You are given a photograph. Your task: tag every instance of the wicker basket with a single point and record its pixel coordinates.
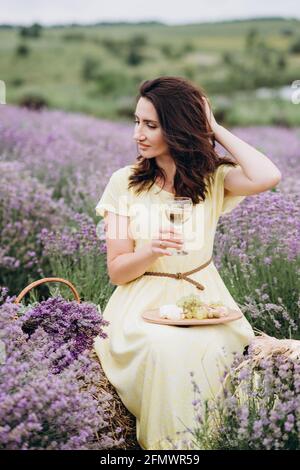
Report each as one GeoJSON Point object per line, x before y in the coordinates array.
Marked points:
{"type": "Point", "coordinates": [44, 280]}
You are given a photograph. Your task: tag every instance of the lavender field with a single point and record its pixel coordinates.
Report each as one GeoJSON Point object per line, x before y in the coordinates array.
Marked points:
{"type": "Point", "coordinates": [54, 167]}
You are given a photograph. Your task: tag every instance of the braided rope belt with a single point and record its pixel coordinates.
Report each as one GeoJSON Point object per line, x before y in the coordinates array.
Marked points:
{"type": "Point", "coordinates": [182, 275]}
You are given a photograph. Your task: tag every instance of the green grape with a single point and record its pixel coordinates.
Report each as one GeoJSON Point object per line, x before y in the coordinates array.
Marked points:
{"type": "Point", "coordinates": [201, 313]}
{"type": "Point", "coordinates": [191, 305]}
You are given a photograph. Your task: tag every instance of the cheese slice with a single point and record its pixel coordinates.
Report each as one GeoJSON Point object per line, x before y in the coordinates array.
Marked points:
{"type": "Point", "coordinates": [171, 311]}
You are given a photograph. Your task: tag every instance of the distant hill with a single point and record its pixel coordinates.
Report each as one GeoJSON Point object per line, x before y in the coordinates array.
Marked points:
{"type": "Point", "coordinates": [97, 68]}
{"type": "Point", "coordinates": [160, 23]}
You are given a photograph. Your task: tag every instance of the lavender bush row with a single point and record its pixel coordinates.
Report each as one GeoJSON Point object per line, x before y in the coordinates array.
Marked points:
{"type": "Point", "coordinates": [258, 255]}
{"type": "Point", "coordinates": [26, 207]}
{"type": "Point", "coordinates": [75, 158]}
{"type": "Point", "coordinates": [78, 253]}
{"type": "Point", "coordinates": [258, 407]}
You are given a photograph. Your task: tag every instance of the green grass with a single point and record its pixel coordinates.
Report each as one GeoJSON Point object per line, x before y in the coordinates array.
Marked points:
{"type": "Point", "coordinates": [53, 67]}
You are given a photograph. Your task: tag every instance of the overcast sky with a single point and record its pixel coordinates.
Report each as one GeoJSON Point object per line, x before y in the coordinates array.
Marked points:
{"type": "Point", "coordinates": [168, 11]}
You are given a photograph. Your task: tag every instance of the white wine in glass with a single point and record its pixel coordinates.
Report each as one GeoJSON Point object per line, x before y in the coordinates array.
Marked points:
{"type": "Point", "coordinates": [178, 211]}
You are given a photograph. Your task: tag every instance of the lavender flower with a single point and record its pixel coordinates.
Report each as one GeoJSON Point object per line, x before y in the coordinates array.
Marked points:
{"type": "Point", "coordinates": [67, 323]}
{"type": "Point", "coordinates": [42, 410]}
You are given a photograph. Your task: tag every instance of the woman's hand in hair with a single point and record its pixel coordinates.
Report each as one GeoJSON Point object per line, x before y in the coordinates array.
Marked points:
{"type": "Point", "coordinates": [209, 114]}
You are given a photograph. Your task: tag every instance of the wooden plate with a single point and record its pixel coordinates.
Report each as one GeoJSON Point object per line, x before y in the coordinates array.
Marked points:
{"type": "Point", "coordinates": [152, 316]}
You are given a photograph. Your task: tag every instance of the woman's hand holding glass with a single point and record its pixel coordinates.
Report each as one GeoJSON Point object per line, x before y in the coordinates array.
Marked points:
{"type": "Point", "coordinates": [178, 211]}
{"type": "Point", "coordinates": [167, 238]}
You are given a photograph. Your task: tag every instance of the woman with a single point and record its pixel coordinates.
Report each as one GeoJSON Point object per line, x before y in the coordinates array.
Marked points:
{"type": "Point", "coordinates": [150, 364]}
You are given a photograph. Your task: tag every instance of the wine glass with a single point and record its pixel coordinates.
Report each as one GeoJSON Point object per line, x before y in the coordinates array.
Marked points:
{"type": "Point", "coordinates": [178, 210]}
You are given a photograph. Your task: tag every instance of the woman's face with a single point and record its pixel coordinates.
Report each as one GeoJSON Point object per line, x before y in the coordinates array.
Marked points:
{"type": "Point", "coordinates": [148, 131]}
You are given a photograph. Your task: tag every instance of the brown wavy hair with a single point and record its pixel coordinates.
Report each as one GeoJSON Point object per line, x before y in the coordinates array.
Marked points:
{"type": "Point", "coordinates": [188, 134]}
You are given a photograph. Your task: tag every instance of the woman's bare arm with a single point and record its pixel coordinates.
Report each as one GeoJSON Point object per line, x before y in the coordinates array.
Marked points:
{"type": "Point", "coordinates": [123, 263]}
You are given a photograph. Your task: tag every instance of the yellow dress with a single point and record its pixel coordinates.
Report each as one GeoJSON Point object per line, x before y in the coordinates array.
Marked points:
{"type": "Point", "coordinates": [149, 364]}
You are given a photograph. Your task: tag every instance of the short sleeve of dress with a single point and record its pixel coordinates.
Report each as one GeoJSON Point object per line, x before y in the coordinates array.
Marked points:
{"type": "Point", "coordinates": [224, 204]}
{"type": "Point", "coordinates": [115, 197]}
